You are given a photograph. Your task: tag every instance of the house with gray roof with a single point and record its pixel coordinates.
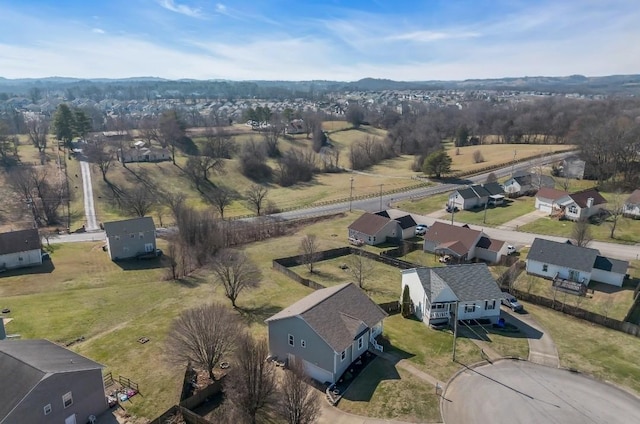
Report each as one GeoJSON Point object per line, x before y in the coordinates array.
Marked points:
{"type": "Point", "coordinates": [328, 330]}
{"type": "Point", "coordinates": [375, 229]}
{"type": "Point", "coordinates": [46, 383]}
{"type": "Point", "coordinates": [19, 249]}
{"type": "Point", "coordinates": [565, 263]}
{"type": "Point", "coordinates": [462, 243]}
{"type": "Point", "coordinates": [436, 293]}
{"type": "Point", "coordinates": [631, 208]}
{"type": "Point", "coordinates": [130, 238]}
{"type": "Point", "coordinates": [527, 184]}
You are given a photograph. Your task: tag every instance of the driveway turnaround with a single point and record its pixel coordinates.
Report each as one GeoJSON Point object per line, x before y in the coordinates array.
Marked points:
{"type": "Point", "coordinates": [542, 349]}
{"type": "Point", "coordinates": [513, 392]}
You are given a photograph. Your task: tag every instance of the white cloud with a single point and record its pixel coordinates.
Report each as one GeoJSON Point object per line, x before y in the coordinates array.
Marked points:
{"type": "Point", "coordinates": [221, 8]}
{"type": "Point", "coordinates": [98, 31]}
{"type": "Point", "coordinates": [181, 8]}
{"type": "Point", "coordinates": [430, 36]}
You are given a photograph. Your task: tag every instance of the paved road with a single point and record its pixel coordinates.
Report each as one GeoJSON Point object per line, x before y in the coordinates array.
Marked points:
{"type": "Point", "coordinates": [521, 392]}
{"type": "Point", "coordinates": [542, 349]}
{"type": "Point", "coordinates": [87, 189]}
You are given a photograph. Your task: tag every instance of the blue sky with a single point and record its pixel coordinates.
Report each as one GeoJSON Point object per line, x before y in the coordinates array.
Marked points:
{"type": "Point", "coordinates": [303, 40]}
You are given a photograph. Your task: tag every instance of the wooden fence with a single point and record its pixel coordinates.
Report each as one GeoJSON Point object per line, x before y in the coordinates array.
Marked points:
{"type": "Point", "coordinates": [199, 398]}
{"type": "Point", "coordinates": [189, 417]}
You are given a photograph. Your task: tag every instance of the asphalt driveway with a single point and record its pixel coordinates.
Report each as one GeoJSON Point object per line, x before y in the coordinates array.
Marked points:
{"type": "Point", "coordinates": [522, 392]}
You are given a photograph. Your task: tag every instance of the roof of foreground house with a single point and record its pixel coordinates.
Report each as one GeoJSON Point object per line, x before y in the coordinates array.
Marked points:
{"type": "Point", "coordinates": [581, 197]}
{"type": "Point", "coordinates": [25, 363]}
{"type": "Point", "coordinates": [550, 193]}
{"type": "Point", "coordinates": [132, 225]}
{"type": "Point", "coordinates": [563, 254]}
{"type": "Point", "coordinates": [469, 282]}
{"type": "Point", "coordinates": [337, 314]}
{"type": "Point", "coordinates": [19, 241]}
{"type": "Point", "coordinates": [448, 235]}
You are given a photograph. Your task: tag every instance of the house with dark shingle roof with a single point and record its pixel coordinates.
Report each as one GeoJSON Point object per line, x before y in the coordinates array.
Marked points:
{"type": "Point", "coordinates": [583, 204]}
{"type": "Point", "coordinates": [565, 261]}
{"type": "Point", "coordinates": [328, 330]}
{"type": "Point", "coordinates": [527, 184]}
{"type": "Point", "coordinates": [130, 238]}
{"type": "Point", "coordinates": [631, 208]}
{"type": "Point", "coordinates": [46, 383]}
{"type": "Point", "coordinates": [374, 229]}
{"type": "Point", "coordinates": [19, 249]}
{"type": "Point", "coordinates": [435, 293]}
{"type": "Point", "coordinates": [468, 198]}
{"type": "Point", "coordinates": [547, 199]}
{"type": "Point", "coordinates": [462, 243]}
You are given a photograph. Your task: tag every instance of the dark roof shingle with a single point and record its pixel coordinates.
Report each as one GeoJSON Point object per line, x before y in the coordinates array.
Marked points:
{"type": "Point", "coordinates": [469, 282]}
{"type": "Point", "coordinates": [19, 241]}
{"type": "Point", "coordinates": [563, 254]}
{"type": "Point", "coordinates": [581, 197]}
{"type": "Point", "coordinates": [369, 223]}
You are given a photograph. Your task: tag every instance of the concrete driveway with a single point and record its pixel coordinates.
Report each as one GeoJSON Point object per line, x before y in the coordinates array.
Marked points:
{"type": "Point", "coordinates": [522, 392]}
{"type": "Point", "coordinates": [542, 349]}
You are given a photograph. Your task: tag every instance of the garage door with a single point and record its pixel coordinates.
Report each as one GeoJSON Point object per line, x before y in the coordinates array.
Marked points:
{"type": "Point", "coordinates": [544, 207]}
{"type": "Point", "coordinates": [317, 373]}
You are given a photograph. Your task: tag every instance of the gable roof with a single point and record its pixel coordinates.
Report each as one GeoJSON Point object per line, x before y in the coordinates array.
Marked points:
{"type": "Point", "coordinates": [612, 265]}
{"type": "Point", "coordinates": [441, 233]}
{"type": "Point", "coordinates": [563, 254]}
{"type": "Point", "coordinates": [634, 198]}
{"type": "Point", "coordinates": [581, 197]}
{"type": "Point", "coordinates": [19, 241]}
{"type": "Point", "coordinates": [490, 244]}
{"type": "Point", "coordinates": [383, 214]}
{"type": "Point", "coordinates": [523, 179]}
{"type": "Point", "coordinates": [144, 223]}
{"type": "Point", "coordinates": [406, 221]}
{"type": "Point", "coordinates": [337, 314]}
{"type": "Point", "coordinates": [480, 190]}
{"type": "Point", "coordinates": [550, 193]}
{"type": "Point", "coordinates": [467, 193]}
{"type": "Point", "coordinates": [27, 362]}
{"type": "Point", "coordinates": [369, 223]}
{"type": "Point", "coordinates": [469, 282]}
{"type": "Point", "coordinates": [493, 188]}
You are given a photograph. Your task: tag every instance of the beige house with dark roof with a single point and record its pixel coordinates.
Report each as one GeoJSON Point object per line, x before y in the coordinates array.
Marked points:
{"type": "Point", "coordinates": [19, 249]}
{"type": "Point", "coordinates": [328, 330]}
{"type": "Point", "coordinates": [631, 207]}
{"type": "Point", "coordinates": [374, 229]}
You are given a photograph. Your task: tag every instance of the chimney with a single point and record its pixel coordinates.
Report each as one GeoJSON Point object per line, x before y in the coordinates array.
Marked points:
{"type": "Point", "coordinates": [3, 334]}
{"type": "Point", "coordinates": [590, 202]}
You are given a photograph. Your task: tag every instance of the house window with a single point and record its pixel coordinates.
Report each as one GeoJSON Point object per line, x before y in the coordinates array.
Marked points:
{"type": "Point", "coordinates": [573, 209]}
{"type": "Point", "coordinates": [437, 306]}
{"type": "Point", "coordinates": [545, 268]}
{"type": "Point", "coordinates": [303, 343]}
{"type": "Point", "coordinates": [360, 343]}
{"type": "Point", "coordinates": [117, 237]}
{"type": "Point", "coordinates": [132, 235]}
{"type": "Point", "coordinates": [343, 355]}
{"type": "Point", "coordinates": [141, 235]}
{"type": "Point", "coordinates": [470, 308]}
{"type": "Point", "coordinates": [47, 409]}
{"type": "Point", "coordinates": [291, 340]}
{"type": "Point", "coordinates": [489, 306]}
{"type": "Point", "coordinates": [67, 399]}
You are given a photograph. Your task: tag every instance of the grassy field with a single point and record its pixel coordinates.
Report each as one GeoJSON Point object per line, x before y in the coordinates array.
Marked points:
{"type": "Point", "coordinates": [498, 215]}
{"type": "Point", "coordinates": [388, 392]}
{"type": "Point", "coordinates": [627, 229]}
{"type": "Point", "coordinates": [608, 355]}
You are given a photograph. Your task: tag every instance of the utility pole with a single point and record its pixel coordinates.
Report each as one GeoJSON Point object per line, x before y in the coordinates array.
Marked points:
{"type": "Point", "coordinates": [484, 220]}
{"type": "Point", "coordinates": [514, 162]}
{"type": "Point", "coordinates": [455, 329]}
{"type": "Point", "coordinates": [381, 196]}
{"type": "Point", "coordinates": [351, 194]}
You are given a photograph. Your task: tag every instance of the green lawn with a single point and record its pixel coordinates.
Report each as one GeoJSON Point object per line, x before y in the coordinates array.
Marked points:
{"type": "Point", "coordinates": [627, 230]}
{"type": "Point", "coordinates": [498, 215]}
{"type": "Point", "coordinates": [385, 391]}
{"type": "Point", "coordinates": [425, 205]}
{"type": "Point", "coordinates": [607, 354]}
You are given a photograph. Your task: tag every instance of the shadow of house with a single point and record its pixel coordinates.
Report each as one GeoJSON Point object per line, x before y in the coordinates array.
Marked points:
{"type": "Point", "coordinates": [364, 386]}
{"type": "Point", "coordinates": [47, 267]}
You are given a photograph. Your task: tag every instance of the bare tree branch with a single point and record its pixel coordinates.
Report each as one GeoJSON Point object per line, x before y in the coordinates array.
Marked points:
{"type": "Point", "coordinates": [235, 272]}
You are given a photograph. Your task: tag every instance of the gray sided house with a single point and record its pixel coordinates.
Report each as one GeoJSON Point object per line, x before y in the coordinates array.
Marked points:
{"type": "Point", "coordinates": [328, 330]}
{"type": "Point", "coordinates": [527, 184]}
{"type": "Point", "coordinates": [564, 262]}
{"type": "Point", "coordinates": [582, 205]}
{"type": "Point", "coordinates": [48, 384]}
{"type": "Point", "coordinates": [468, 198]}
{"type": "Point", "coordinates": [435, 293]}
{"type": "Point", "coordinates": [19, 249]}
{"type": "Point", "coordinates": [130, 238]}
{"type": "Point", "coordinates": [374, 229]}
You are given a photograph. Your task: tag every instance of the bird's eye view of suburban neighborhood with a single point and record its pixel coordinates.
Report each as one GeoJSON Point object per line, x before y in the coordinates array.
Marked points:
{"type": "Point", "coordinates": [298, 250]}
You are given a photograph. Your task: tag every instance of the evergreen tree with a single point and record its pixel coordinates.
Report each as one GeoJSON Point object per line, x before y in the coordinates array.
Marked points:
{"type": "Point", "coordinates": [406, 302]}
{"type": "Point", "coordinates": [437, 163]}
{"type": "Point", "coordinates": [81, 123]}
{"type": "Point", "coordinates": [63, 123]}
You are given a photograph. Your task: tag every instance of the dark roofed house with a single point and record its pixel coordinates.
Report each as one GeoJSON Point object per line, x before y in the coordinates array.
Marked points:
{"type": "Point", "coordinates": [565, 263]}
{"type": "Point", "coordinates": [328, 330]}
{"type": "Point", "coordinates": [48, 384]}
{"type": "Point", "coordinates": [435, 293]}
{"type": "Point", "coordinates": [583, 204]}
{"type": "Point", "coordinates": [19, 249]}
{"type": "Point", "coordinates": [468, 198]}
{"type": "Point", "coordinates": [463, 243]}
{"type": "Point", "coordinates": [374, 229]}
{"type": "Point", "coordinates": [631, 207]}
{"type": "Point", "coordinates": [407, 225]}
{"type": "Point", "coordinates": [527, 184]}
{"type": "Point", "coordinates": [130, 238]}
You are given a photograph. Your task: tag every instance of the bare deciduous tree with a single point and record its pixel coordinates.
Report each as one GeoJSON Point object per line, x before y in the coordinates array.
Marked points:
{"type": "Point", "coordinates": [251, 386]}
{"type": "Point", "coordinates": [203, 335]}
{"type": "Point", "coordinates": [139, 200]}
{"type": "Point", "coordinates": [220, 197]}
{"type": "Point", "coordinates": [582, 232]}
{"type": "Point", "coordinates": [256, 195]}
{"type": "Point", "coordinates": [615, 209]}
{"type": "Point", "coordinates": [298, 402]}
{"type": "Point", "coordinates": [235, 272]}
{"type": "Point", "coordinates": [491, 178]}
{"type": "Point", "coordinates": [101, 156]}
{"type": "Point", "coordinates": [477, 156]}
{"type": "Point", "coordinates": [309, 251]}
{"type": "Point", "coordinates": [8, 146]}
{"type": "Point", "coordinates": [360, 267]}
{"type": "Point", "coordinates": [37, 129]}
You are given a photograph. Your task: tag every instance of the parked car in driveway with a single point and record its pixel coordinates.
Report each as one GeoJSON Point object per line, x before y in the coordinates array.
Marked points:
{"type": "Point", "coordinates": [511, 249]}
{"type": "Point", "coordinates": [421, 229]}
{"type": "Point", "coordinates": [510, 301]}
